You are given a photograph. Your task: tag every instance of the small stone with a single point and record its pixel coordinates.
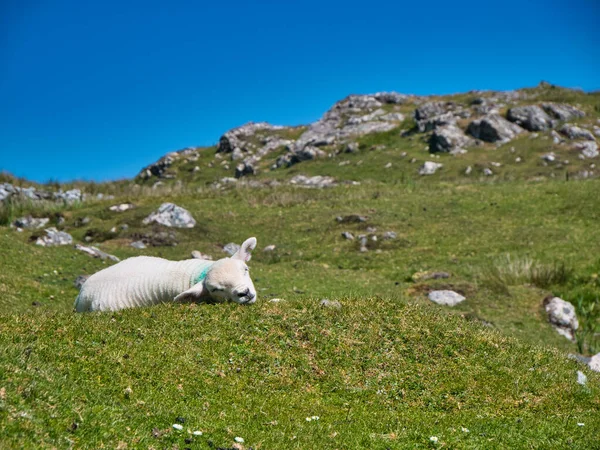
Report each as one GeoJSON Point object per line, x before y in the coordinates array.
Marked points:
{"type": "Point", "coordinates": [561, 314]}
{"type": "Point", "coordinates": [138, 244]}
{"type": "Point", "coordinates": [275, 300]}
{"type": "Point", "coordinates": [518, 159]}
{"type": "Point", "coordinates": [122, 207]}
{"type": "Point", "coordinates": [446, 298]}
{"type": "Point", "coordinates": [488, 172]}
{"type": "Point", "coordinates": [269, 248]}
{"type": "Point", "coordinates": [348, 235]}
{"type": "Point", "coordinates": [54, 237]}
{"type": "Point", "coordinates": [177, 426]}
{"type": "Point", "coordinates": [334, 304]}
{"type": "Point", "coordinates": [239, 440]}
{"type": "Point", "coordinates": [468, 170]}
{"type": "Point", "coordinates": [581, 378]}
{"type": "Point", "coordinates": [389, 235]}
{"type": "Point", "coordinates": [388, 165]}
{"type": "Point", "coordinates": [199, 255]}
{"type": "Point", "coordinates": [429, 168]}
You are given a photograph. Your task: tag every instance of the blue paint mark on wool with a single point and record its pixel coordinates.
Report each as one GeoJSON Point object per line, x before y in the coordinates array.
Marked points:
{"type": "Point", "coordinates": [201, 276]}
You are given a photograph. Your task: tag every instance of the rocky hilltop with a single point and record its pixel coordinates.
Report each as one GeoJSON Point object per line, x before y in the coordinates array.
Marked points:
{"type": "Point", "coordinates": [564, 122]}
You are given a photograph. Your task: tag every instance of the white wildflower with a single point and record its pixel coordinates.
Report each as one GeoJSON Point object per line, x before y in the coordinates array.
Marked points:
{"type": "Point", "coordinates": [580, 424]}
{"type": "Point", "coordinates": [464, 430]}
{"type": "Point", "coordinates": [433, 439]}
{"type": "Point", "coordinates": [197, 433]}
{"type": "Point", "coordinates": [239, 440]}
{"type": "Point", "coordinates": [177, 426]}
{"type": "Point", "coordinates": [315, 417]}
{"type": "Point", "coordinates": [308, 419]}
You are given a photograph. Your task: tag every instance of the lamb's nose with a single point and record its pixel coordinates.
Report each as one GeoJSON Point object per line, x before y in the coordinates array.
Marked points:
{"type": "Point", "coordinates": [245, 293]}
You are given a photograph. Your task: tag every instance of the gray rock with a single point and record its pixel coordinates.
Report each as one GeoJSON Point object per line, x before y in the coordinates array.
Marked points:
{"type": "Point", "coordinates": [562, 111]}
{"type": "Point", "coordinates": [392, 117]}
{"type": "Point", "coordinates": [549, 157]}
{"type": "Point", "coordinates": [269, 248]}
{"type": "Point", "coordinates": [70, 197]}
{"type": "Point", "coordinates": [574, 132]}
{"type": "Point", "coordinates": [171, 215]}
{"type": "Point", "coordinates": [245, 168]}
{"type": "Point", "coordinates": [122, 207]}
{"type": "Point", "coordinates": [317, 181]}
{"type": "Point", "coordinates": [301, 154]}
{"type": "Point", "coordinates": [96, 252]}
{"type": "Point", "coordinates": [363, 243]}
{"type": "Point", "coordinates": [352, 147]}
{"type": "Point", "coordinates": [348, 235]}
{"type": "Point", "coordinates": [562, 316]}
{"type": "Point", "coordinates": [30, 223]}
{"type": "Point", "coordinates": [531, 117]}
{"type": "Point", "coordinates": [429, 168]}
{"type": "Point", "coordinates": [447, 138]}
{"type": "Point", "coordinates": [389, 235]}
{"type": "Point", "coordinates": [333, 304]}
{"type": "Point", "coordinates": [493, 128]}
{"type": "Point", "coordinates": [436, 121]}
{"type": "Point", "coordinates": [393, 98]}
{"type": "Point", "coordinates": [488, 172]}
{"type": "Point", "coordinates": [581, 378]}
{"type": "Point", "coordinates": [595, 362]}
{"type": "Point", "coordinates": [431, 109]}
{"type": "Point", "coordinates": [238, 138]}
{"type": "Point", "coordinates": [589, 149]}
{"type": "Point", "coordinates": [199, 255]}
{"type": "Point", "coordinates": [160, 167]}
{"type": "Point", "coordinates": [80, 280]}
{"type": "Point", "coordinates": [54, 238]}
{"type": "Point", "coordinates": [351, 218]}
{"type": "Point", "coordinates": [231, 248]}
{"type": "Point", "coordinates": [446, 298]}
{"type": "Point", "coordinates": [138, 244]}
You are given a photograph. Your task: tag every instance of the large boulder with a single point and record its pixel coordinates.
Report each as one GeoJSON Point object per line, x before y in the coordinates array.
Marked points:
{"type": "Point", "coordinates": [448, 138]}
{"type": "Point", "coordinates": [300, 154]}
{"type": "Point", "coordinates": [562, 316]}
{"type": "Point", "coordinates": [171, 215]}
{"type": "Point", "coordinates": [531, 117]}
{"type": "Point", "coordinates": [562, 111]}
{"type": "Point", "coordinates": [493, 128]}
{"type": "Point", "coordinates": [574, 132]}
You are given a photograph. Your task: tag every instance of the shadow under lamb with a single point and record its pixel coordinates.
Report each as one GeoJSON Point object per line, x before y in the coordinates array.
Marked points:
{"type": "Point", "coordinates": [146, 280]}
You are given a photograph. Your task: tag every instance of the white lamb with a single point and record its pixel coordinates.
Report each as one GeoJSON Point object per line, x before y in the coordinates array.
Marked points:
{"type": "Point", "coordinates": [146, 280]}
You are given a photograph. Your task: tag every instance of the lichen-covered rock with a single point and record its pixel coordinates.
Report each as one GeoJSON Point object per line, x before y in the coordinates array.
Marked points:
{"type": "Point", "coordinates": [96, 252]}
{"type": "Point", "coordinates": [429, 168]}
{"type": "Point", "coordinates": [493, 128]}
{"type": "Point", "coordinates": [70, 196]}
{"type": "Point", "coordinates": [448, 138]}
{"type": "Point", "coordinates": [594, 363]}
{"type": "Point", "coordinates": [589, 149]}
{"type": "Point", "coordinates": [446, 298]}
{"type": "Point", "coordinates": [530, 117]}
{"type": "Point", "coordinates": [562, 316]}
{"type": "Point", "coordinates": [30, 223]}
{"type": "Point", "coordinates": [562, 111]}
{"type": "Point", "coordinates": [575, 132]}
{"type": "Point", "coordinates": [54, 238]}
{"type": "Point", "coordinates": [317, 181]}
{"type": "Point", "coordinates": [171, 215]}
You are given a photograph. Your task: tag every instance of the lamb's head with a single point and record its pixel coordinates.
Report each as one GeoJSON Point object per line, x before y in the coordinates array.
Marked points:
{"type": "Point", "coordinates": [229, 278]}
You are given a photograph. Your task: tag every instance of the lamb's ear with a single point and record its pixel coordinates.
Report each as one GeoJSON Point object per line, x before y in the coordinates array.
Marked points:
{"type": "Point", "coordinates": [244, 253]}
{"type": "Point", "coordinates": [193, 294]}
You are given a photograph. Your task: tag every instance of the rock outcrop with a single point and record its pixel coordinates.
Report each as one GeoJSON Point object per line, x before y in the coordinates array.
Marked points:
{"type": "Point", "coordinates": [494, 128]}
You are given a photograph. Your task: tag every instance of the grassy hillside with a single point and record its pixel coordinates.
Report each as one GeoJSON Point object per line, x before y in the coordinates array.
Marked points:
{"type": "Point", "coordinates": [389, 369]}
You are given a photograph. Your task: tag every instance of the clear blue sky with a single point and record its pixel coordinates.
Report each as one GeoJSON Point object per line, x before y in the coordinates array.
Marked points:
{"type": "Point", "coordinates": [97, 90]}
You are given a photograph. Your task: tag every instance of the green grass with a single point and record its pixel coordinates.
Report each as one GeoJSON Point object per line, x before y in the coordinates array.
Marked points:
{"type": "Point", "coordinates": [379, 374]}
{"type": "Point", "coordinates": [387, 370]}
